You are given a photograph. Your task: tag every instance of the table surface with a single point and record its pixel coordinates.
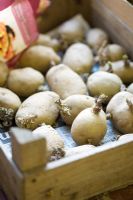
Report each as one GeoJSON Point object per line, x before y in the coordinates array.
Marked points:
{"type": "Point", "coordinates": [122, 194]}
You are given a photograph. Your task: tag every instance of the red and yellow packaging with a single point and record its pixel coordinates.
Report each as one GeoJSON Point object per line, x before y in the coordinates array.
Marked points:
{"type": "Point", "coordinates": [18, 26]}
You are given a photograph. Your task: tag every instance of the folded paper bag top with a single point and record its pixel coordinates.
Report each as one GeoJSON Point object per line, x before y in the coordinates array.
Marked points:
{"type": "Point", "coordinates": [17, 27]}
{"type": "Point", "coordinates": [5, 3]}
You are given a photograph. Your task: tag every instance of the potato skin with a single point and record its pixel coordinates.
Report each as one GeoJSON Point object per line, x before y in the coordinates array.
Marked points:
{"type": "Point", "coordinates": [104, 83]}
{"type": "Point", "coordinates": [78, 150]}
{"type": "Point", "coordinates": [47, 41]}
{"type": "Point", "coordinates": [38, 57]}
{"type": "Point", "coordinates": [25, 82]}
{"type": "Point", "coordinates": [79, 58]}
{"type": "Point", "coordinates": [124, 72]}
{"type": "Point", "coordinates": [76, 103]}
{"type": "Point", "coordinates": [113, 52]}
{"type": "Point", "coordinates": [37, 109]}
{"type": "Point", "coordinates": [130, 88]}
{"type": "Point", "coordinates": [55, 144]}
{"type": "Point", "coordinates": [122, 115]}
{"type": "Point", "coordinates": [65, 81]}
{"type": "Point", "coordinates": [95, 38]}
{"type": "Point", "coordinates": [3, 73]}
{"type": "Point", "coordinates": [73, 30]}
{"type": "Point", "coordinates": [9, 99]}
{"type": "Point", "coordinates": [89, 127]}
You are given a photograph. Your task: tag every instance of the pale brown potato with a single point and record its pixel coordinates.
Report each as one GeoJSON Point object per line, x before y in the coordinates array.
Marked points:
{"type": "Point", "coordinates": [37, 109]}
{"type": "Point", "coordinates": [89, 127]}
{"type": "Point", "coordinates": [124, 70]}
{"type": "Point", "coordinates": [79, 58]}
{"type": "Point", "coordinates": [112, 52]}
{"type": "Point", "coordinates": [65, 81]}
{"type": "Point", "coordinates": [95, 38]}
{"type": "Point", "coordinates": [55, 144]}
{"type": "Point", "coordinates": [25, 82]}
{"type": "Point", "coordinates": [104, 83]}
{"type": "Point", "coordinates": [78, 150]}
{"type": "Point", "coordinates": [9, 99]}
{"type": "Point", "coordinates": [75, 104]}
{"type": "Point", "coordinates": [130, 88]}
{"type": "Point", "coordinates": [39, 57]}
{"type": "Point", "coordinates": [121, 109]}
{"type": "Point", "coordinates": [47, 41]}
{"type": "Point", "coordinates": [9, 104]}
{"type": "Point", "coordinates": [74, 29]}
{"type": "Point", "coordinates": [3, 73]}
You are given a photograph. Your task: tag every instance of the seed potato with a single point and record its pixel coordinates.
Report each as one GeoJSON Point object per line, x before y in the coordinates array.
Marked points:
{"type": "Point", "coordinates": [39, 57]}
{"type": "Point", "coordinates": [112, 52]}
{"type": "Point", "coordinates": [130, 88]}
{"type": "Point", "coordinates": [89, 127]}
{"type": "Point", "coordinates": [124, 69]}
{"type": "Point", "coordinates": [79, 149]}
{"type": "Point", "coordinates": [3, 73]}
{"type": "Point", "coordinates": [74, 29]}
{"type": "Point", "coordinates": [104, 83]}
{"type": "Point", "coordinates": [25, 82]}
{"type": "Point", "coordinates": [95, 38]}
{"type": "Point", "coordinates": [121, 109]}
{"type": "Point", "coordinates": [79, 58]}
{"type": "Point", "coordinates": [9, 99]}
{"type": "Point", "coordinates": [46, 40]}
{"type": "Point", "coordinates": [37, 109]}
{"type": "Point", "coordinates": [9, 104]}
{"type": "Point", "coordinates": [55, 144]}
{"type": "Point", "coordinates": [75, 104]}
{"type": "Point", "coordinates": [65, 81]}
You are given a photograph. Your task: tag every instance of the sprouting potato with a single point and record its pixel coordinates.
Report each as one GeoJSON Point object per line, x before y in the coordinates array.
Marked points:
{"type": "Point", "coordinates": [124, 69]}
{"type": "Point", "coordinates": [112, 52]}
{"type": "Point", "coordinates": [74, 29]}
{"type": "Point", "coordinates": [104, 83]}
{"type": "Point", "coordinates": [3, 73]}
{"type": "Point", "coordinates": [9, 104]}
{"type": "Point", "coordinates": [65, 81]}
{"type": "Point", "coordinates": [96, 37]}
{"type": "Point", "coordinates": [120, 108]}
{"type": "Point", "coordinates": [37, 109]}
{"type": "Point", "coordinates": [130, 88]}
{"type": "Point", "coordinates": [39, 57]}
{"type": "Point", "coordinates": [79, 58]}
{"type": "Point", "coordinates": [55, 144]}
{"type": "Point", "coordinates": [90, 125]}
{"type": "Point", "coordinates": [25, 82]}
{"type": "Point", "coordinates": [73, 105]}
{"type": "Point", "coordinates": [47, 41]}
{"type": "Point", "coordinates": [79, 149]}
{"type": "Point", "coordinates": [9, 99]}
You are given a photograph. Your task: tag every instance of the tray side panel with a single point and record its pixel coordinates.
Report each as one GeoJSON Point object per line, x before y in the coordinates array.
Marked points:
{"type": "Point", "coordinates": [11, 180]}
{"type": "Point", "coordinates": [119, 28]}
{"type": "Point", "coordinates": [83, 178]}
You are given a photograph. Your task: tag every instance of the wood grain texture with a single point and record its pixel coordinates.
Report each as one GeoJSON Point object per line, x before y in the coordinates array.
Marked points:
{"type": "Point", "coordinates": [11, 179]}
{"type": "Point", "coordinates": [118, 30]}
{"type": "Point", "coordinates": [28, 152]}
{"type": "Point", "coordinates": [122, 194]}
{"type": "Point", "coordinates": [84, 175]}
{"type": "Point", "coordinates": [121, 9]}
